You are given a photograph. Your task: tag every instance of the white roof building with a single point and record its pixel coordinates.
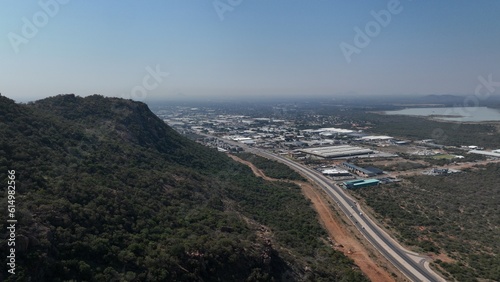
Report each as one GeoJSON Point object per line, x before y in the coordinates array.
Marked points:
{"type": "Point", "coordinates": [336, 151]}
{"type": "Point", "coordinates": [376, 137]}
{"type": "Point", "coordinates": [486, 153]}
{"type": "Point", "coordinates": [335, 171]}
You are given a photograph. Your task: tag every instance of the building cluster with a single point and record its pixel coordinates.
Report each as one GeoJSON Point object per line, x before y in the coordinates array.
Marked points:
{"type": "Point", "coordinates": [361, 171]}
{"type": "Point", "coordinates": [441, 171]}
{"type": "Point", "coordinates": [339, 146]}
{"type": "Point", "coordinates": [276, 134]}
{"type": "Point", "coordinates": [353, 176]}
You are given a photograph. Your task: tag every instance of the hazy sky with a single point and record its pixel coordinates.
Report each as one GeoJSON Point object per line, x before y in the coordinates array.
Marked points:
{"type": "Point", "coordinates": [246, 48]}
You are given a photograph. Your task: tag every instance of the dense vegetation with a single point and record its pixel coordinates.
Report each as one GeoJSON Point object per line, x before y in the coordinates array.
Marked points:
{"type": "Point", "coordinates": [106, 191]}
{"type": "Point", "coordinates": [271, 168]}
{"type": "Point", "coordinates": [455, 215]}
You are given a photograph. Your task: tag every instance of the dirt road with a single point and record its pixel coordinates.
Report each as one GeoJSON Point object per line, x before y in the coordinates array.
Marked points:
{"type": "Point", "coordinates": [344, 240]}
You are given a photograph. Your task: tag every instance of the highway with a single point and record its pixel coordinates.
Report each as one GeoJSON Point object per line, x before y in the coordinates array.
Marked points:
{"type": "Point", "coordinates": [413, 266]}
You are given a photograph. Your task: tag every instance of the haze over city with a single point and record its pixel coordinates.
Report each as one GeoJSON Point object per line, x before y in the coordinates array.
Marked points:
{"type": "Point", "coordinates": [152, 50]}
{"type": "Point", "coordinates": [239, 140]}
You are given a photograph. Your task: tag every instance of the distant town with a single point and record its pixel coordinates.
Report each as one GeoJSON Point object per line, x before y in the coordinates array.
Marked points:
{"type": "Point", "coordinates": [353, 158]}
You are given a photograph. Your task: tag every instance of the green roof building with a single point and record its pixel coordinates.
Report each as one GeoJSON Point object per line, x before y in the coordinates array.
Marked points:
{"type": "Point", "coordinates": [359, 183]}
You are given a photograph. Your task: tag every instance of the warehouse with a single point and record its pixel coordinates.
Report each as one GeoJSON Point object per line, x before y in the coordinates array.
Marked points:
{"type": "Point", "coordinates": [359, 170]}
{"type": "Point", "coordinates": [335, 172]}
{"type": "Point", "coordinates": [486, 153]}
{"type": "Point", "coordinates": [359, 183]}
{"type": "Point", "coordinates": [336, 151]}
{"type": "Point", "coordinates": [376, 138]}
{"type": "Point", "coordinates": [375, 170]}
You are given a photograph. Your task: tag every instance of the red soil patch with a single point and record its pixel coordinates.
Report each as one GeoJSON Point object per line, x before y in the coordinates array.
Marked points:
{"type": "Point", "coordinates": [343, 239]}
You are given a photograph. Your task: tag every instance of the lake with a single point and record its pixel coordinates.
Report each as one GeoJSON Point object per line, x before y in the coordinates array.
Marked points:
{"type": "Point", "coordinates": [464, 114]}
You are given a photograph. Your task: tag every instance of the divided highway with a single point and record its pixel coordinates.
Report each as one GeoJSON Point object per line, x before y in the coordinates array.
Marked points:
{"type": "Point", "coordinates": [415, 267]}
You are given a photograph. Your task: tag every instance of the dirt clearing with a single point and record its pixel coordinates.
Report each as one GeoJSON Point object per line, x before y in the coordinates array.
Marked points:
{"type": "Point", "coordinates": [343, 239]}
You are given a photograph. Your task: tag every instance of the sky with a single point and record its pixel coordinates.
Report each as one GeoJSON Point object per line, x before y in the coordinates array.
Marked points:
{"type": "Point", "coordinates": [232, 49]}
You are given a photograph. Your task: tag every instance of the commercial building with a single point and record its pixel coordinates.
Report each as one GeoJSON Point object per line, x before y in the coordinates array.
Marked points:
{"type": "Point", "coordinates": [336, 151]}
{"type": "Point", "coordinates": [441, 171]}
{"type": "Point", "coordinates": [485, 153]}
{"type": "Point", "coordinates": [335, 172]}
{"type": "Point", "coordinates": [400, 142]}
{"type": "Point", "coordinates": [377, 138]}
{"type": "Point", "coordinates": [333, 130]}
{"type": "Point", "coordinates": [375, 170]}
{"type": "Point", "coordinates": [359, 183]}
{"type": "Point", "coordinates": [359, 170]}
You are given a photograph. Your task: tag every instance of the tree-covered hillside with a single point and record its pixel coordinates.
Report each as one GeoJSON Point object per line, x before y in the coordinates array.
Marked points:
{"type": "Point", "coordinates": [105, 191]}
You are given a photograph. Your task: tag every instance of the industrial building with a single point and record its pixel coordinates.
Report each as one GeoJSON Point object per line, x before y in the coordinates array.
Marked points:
{"type": "Point", "coordinates": [400, 142]}
{"type": "Point", "coordinates": [359, 183]}
{"type": "Point", "coordinates": [377, 138]}
{"type": "Point", "coordinates": [333, 130]}
{"type": "Point", "coordinates": [441, 171]}
{"type": "Point", "coordinates": [367, 172]}
{"type": "Point", "coordinates": [485, 153]}
{"type": "Point", "coordinates": [336, 151]}
{"type": "Point", "coordinates": [375, 170]}
{"type": "Point", "coordinates": [335, 172]}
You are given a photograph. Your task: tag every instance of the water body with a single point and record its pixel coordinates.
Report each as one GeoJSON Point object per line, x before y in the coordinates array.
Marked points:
{"type": "Point", "coordinates": [464, 114]}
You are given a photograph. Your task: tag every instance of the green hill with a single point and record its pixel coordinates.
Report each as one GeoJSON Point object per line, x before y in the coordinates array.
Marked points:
{"type": "Point", "coordinates": [105, 191]}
